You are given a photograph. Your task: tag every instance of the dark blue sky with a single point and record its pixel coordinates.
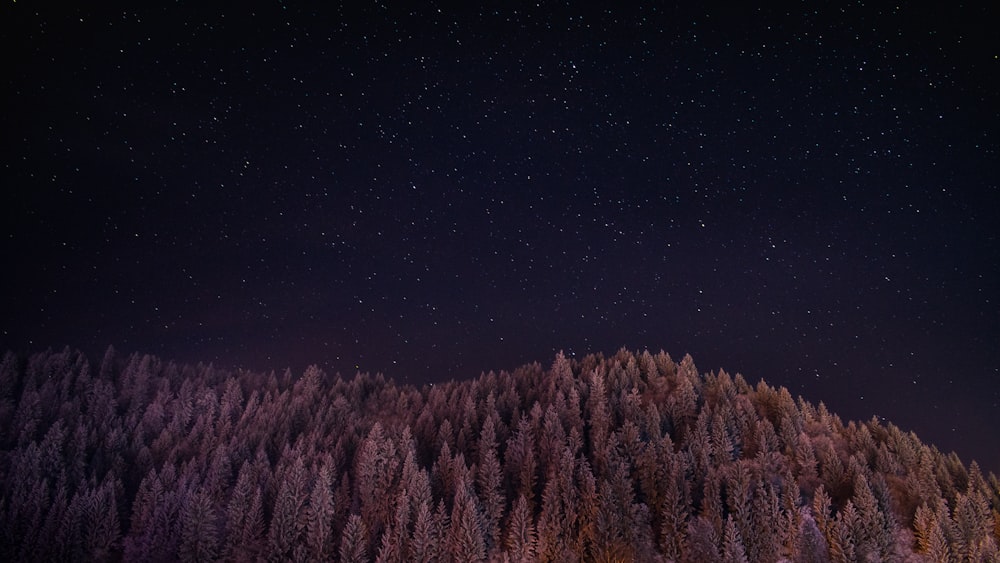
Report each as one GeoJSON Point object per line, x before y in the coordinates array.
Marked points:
{"type": "Point", "coordinates": [808, 196]}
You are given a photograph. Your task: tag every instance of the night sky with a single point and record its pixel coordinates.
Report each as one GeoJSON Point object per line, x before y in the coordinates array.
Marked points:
{"type": "Point", "coordinates": [808, 196]}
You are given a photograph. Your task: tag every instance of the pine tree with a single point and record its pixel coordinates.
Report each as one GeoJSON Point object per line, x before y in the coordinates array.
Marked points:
{"type": "Point", "coordinates": [821, 512]}
{"type": "Point", "coordinates": [703, 541]}
{"type": "Point", "coordinates": [682, 403]}
{"type": "Point", "coordinates": [441, 530]}
{"type": "Point", "coordinates": [319, 515]}
{"type": "Point", "coordinates": [521, 538]}
{"type": "Point", "coordinates": [722, 444]}
{"type": "Point", "coordinates": [423, 544]}
{"type": "Point", "coordinates": [148, 497]}
{"type": "Point", "coordinates": [843, 542]}
{"type": "Point", "coordinates": [622, 527]}
{"type": "Point", "coordinates": [489, 480]}
{"type": "Point", "coordinates": [553, 525]}
{"type": "Point", "coordinates": [767, 529]}
{"type": "Point", "coordinates": [46, 549]}
{"type": "Point", "coordinates": [791, 516]}
{"type": "Point", "coordinates": [931, 539]}
{"type": "Point", "coordinates": [873, 533]}
{"type": "Point", "coordinates": [923, 522]}
{"type": "Point", "coordinates": [465, 538]}
{"type": "Point", "coordinates": [739, 498]}
{"type": "Point", "coordinates": [199, 539]}
{"type": "Point", "coordinates": [586, 514]}
{"type": "Point", "coordinates": [288, 522]}
{"type": "Point", "coordinates": [520, 465]}
{"type": "Point", "coordinates": [805, 458]}
{"type": "Point", "coordinates": [354, 543]}
{"type": "Point", "coordinates": [376, 471]}
{"type": "Point", "coordinates": [733, 550]}
{"type": "Point", "coordinates": [245, 517]}
{"type": "Point", "coordinates": [395, 541]}
{"type": "Point", "coordinates": [972, 517]}
{"type": "Point", "coordinates": [90, 528]}
{"type": "Point", "coordinates": [675, 512]}
{"type": "Point", "coordinates": [811, 546]}
{"type": "Point", "coordinates": [442, 477]}
{"type": "Point", "coordinates": [598, 422]}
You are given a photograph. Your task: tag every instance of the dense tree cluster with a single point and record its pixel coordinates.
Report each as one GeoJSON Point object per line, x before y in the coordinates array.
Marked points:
{"type": "Point", "coordinates": [634, 457]}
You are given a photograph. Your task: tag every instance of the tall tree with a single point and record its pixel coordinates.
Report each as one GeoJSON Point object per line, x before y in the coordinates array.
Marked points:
{"type": "Point", "coordinates": [521, 537]}
{"type": "Point", "coordinates": [354, 543]}
{"type": "Point", "coordinates": [465, 538]}
{"type": "Point", "coordinates": [811, 546]}
{"type": "Point", "coordinates": [733, 550]}
{"type": "Point", "coordinates": [423, 547]}
{"type": "Point", "coordinates": [598, 421]}
{"type": "Point", "coordinates": [557, 524]}
{"type": "Point", "coordinates": [376, 472]}
{"type": "Point", "coordinates": [520, 465]}
{"type": "Point", "coordinates": [98, 518]}
{"type": "Point", "coordinates": [703, 540]}
{"type": "Point", "coordinates": [289, 519]}
{"type": "Point", "coordinates": [319, 516]}
{"type": "Point", "coordinates": [199, 532]}
{"type": "Point", "coordinates": [395, 541]}
{"type": "Point", "coordinates": [245, 517]}
{"type": "Point", "coordinates": [931, 539]}
{"type": "Point", "coordinates": [489, 481]}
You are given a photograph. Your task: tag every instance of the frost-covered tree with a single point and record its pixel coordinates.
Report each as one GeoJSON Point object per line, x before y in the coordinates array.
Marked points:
{"type": "Point", "coordinates": [628, 457]}
{"type": "Point", "coordinates": [521, 538]}
{"type": "Point", "coordinates": [354, 544]}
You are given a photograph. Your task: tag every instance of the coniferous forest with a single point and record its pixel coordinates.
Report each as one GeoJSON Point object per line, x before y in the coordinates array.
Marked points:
{"type": "Point", "coordinates": [633, 457]}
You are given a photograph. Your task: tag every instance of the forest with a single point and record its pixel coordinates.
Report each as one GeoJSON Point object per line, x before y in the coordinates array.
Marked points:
{"type": "Point", "coordinates": [632, 457]}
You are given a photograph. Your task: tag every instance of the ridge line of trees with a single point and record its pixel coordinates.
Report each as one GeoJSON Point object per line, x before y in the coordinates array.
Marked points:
{"type": "Point", "coordinates": [632, 457]}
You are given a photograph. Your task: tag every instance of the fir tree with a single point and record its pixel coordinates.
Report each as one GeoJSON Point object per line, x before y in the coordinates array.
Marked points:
{"type": "Point", "coordinates": [354, 544]}
{"type": "Point", "coordinates": [319, 515]}
{"type": "Point", "coordinates": [288, 522]}
{"type": "Point", "coordinates": [423, 544]}
{"type": "Point", "coordinates": [465, 539]}
{"type": "Point", "coordinates": [199, 534]}
{"type": "Point", "coordinates": [521, 538]}
{"type": "Point", "coordinates": [733, 550]}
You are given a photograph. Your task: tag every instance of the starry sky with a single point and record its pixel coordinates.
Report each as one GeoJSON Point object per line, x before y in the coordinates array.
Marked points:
{"type": "Point", "coordinates": [807, 194]}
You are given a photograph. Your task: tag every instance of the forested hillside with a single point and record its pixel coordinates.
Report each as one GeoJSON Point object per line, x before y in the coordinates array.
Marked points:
{"type": "Point", "coordinates": [633, 457]}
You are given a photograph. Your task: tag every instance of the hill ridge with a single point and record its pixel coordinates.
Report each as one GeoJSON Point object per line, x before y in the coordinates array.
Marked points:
{"type": "Point", "coordinates": [634, 456]}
